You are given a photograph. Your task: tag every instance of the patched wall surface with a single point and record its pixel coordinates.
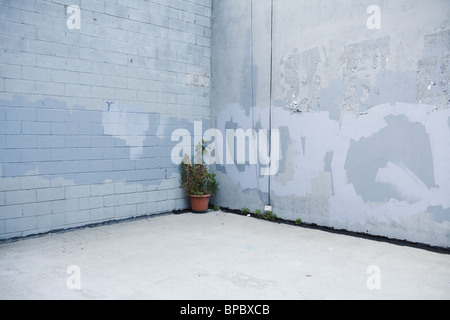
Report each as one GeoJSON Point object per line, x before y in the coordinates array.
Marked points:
{"type": "Point", "coordinates": [360, 97]}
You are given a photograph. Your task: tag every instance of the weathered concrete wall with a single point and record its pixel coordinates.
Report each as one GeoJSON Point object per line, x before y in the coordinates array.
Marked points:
{"type": "Point", "coordinates": [360, 96]}
{"type": "Point", "coordinates": [89, 98]}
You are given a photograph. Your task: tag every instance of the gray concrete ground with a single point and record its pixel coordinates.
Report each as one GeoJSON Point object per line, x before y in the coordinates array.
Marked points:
{"type": "Point", "coordinates": [216, 256]}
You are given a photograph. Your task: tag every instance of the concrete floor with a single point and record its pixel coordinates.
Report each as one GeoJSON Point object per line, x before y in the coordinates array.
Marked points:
{"type": "Point", "coordinates": [217, 256]}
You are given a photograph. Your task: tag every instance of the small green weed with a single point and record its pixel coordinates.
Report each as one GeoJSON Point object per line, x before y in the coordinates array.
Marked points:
{"type": "Point", "coordinates": [269, 216]}
{"type": "Point", "coordinates": [266, 215]}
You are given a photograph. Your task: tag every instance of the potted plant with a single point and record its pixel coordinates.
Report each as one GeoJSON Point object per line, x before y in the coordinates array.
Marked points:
{"type": "Point", "coordinates": [197, 181]}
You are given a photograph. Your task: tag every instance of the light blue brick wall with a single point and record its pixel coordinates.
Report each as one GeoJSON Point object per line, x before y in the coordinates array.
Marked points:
{"type": "Point", "coordinates": [62, 164]}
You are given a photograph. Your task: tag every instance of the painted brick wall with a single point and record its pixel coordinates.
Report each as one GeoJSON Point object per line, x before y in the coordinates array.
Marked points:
{"type": "Point", "coordinates": [88, 103]}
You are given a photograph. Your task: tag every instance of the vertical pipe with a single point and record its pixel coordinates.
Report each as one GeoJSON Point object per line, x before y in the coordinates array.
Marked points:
{"type": "Point", "coordinates": [271, 91]}
{"type": "Point", "coordinates": [252, 91]}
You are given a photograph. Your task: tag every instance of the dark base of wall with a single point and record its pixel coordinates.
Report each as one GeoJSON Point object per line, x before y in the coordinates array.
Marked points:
{"type": "Point", "coordinates": [89, 226]}
{"type": "Point", "coordinates": [405, 243]}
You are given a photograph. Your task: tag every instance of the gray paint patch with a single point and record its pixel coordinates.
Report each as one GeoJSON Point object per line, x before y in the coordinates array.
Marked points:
{"type": "Point", "coordinates": [327, 167]}
{"type": "Point", "coordinates": [392, 87]}
{"type": "Point", "coordinates": [303, 144]}
{"type": "Point", "coordinates": [402, 143]}
{"type": "Point", "coordinates": [439, 213]}
{"type": "Point", "coordinates": [284, 145]}
{"type": "Point", "coordinates": [365, 58]}
{"type": "Point", "coordinates": [327, 161]}
{"type": "Point", "coordinates": [329, 96]}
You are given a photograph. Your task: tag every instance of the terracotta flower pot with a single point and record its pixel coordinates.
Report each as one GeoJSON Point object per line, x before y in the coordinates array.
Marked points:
{"type": "Point", "coordinates": [200, 204]}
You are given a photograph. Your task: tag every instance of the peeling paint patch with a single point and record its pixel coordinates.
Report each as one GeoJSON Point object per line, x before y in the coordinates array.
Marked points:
{"type": "Point", "coordinates": [300, 77]}
{"type": "Point", "coordinates": [363, 59]}
{"type": "Point", "coordinates": [401, 151]}
{"type": "Point", "coordinates": [360, 64]}
{"type": "Point", "coordinates": [433, 78]}
{"type": "Point", "coordinates": [329, 96]}
{"type": "Point", "coordinates": [197, 79]}
{"type": "Point", "coordinates": [290, 77]}
{"type": "Point", "coordinates": [433, 74]}
{"type": "Point", "coordinates": [439, 213]}
{"type": "Point", "coordinates": [392, 87]}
